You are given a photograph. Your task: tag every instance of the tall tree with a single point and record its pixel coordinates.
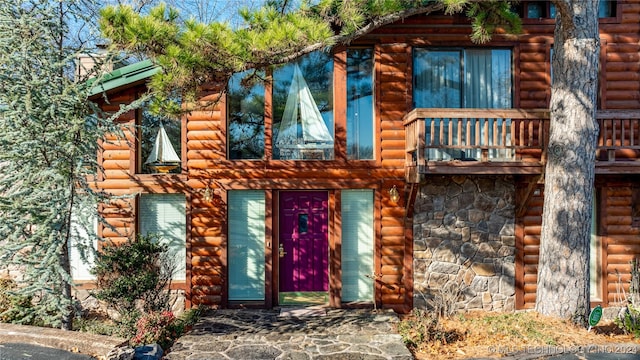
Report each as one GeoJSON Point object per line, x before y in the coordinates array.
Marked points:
{"type": "Point", "coordinates": [194, 53]}
{"type": "Point", "coordinates": [48, 140]}
{"type": "Point", "coordinates": [563, 270]}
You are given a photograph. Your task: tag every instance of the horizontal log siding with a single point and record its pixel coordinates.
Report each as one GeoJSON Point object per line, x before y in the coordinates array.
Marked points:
{"type": "Point", "coordinates": [527, 251]}
{"type": "Point", "coordinates": [392, 82]}
{"type": "Point", "coordinates": [117, 159]}
{"type": "Point", "coordinates": [207, 240]}
{"type": "Point", "coordinates": [620, 239]}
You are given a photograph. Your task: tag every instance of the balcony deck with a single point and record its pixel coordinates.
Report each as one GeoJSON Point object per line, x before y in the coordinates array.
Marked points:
{"type": "Point", "coordinates": [507, 141]}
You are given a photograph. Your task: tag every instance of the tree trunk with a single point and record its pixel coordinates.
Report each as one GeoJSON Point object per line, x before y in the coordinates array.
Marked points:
{"type": "Point", "coordinates": [67, 296]}
{"type": "Point", "coordinates": [563, 273]}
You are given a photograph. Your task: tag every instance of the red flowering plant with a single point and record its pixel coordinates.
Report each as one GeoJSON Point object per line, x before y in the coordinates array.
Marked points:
{"type": "Point", "coordinates": [157, 327]}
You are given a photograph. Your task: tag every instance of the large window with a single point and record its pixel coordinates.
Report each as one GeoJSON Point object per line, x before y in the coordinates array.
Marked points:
{"type": "Point", "coordinates": [360, 125]}
{"type": "Point", "coordinates": [164, 215]}
{"type": "Point", "coordinates": [245, 106]}
{"type": "Point", "coordinates": [246, 245]}
{"type": "Point", "coordinates": [303, 109]}
{"type": "Point", "coordinates": [462, 78]}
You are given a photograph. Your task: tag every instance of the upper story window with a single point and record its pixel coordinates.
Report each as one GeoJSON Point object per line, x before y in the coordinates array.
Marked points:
{"type": "Point", "coordinates": [546, 9]}
{"type": "Point", "coordinates": [462, 78]}
{"type": "Point", "coordinates": [160, 143]}
{"type": "Point", "coordinates": [245, 108]}
{"type": "Point", "coordinates": [360, 101]}
{"type": "Point", "coordinates": [303, 109]}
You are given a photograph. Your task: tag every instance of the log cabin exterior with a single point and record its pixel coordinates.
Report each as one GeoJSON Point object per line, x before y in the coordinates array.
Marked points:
{"type": "Point", "coordinates": [266, 225]}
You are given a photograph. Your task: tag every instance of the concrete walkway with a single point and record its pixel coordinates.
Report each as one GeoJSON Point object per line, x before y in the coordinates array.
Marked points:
{"type": "Point", "coordinates": [292, 334]}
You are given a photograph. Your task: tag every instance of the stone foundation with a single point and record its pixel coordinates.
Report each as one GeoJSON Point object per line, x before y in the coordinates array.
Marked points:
{"type": "Point", "coordinates": [464, 242]}
{"type": "Point", "coordinates": [88, 303]}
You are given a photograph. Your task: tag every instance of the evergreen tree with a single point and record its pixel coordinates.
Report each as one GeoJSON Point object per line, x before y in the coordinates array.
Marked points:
{"type": "Point", "coordinates": [48, 141]}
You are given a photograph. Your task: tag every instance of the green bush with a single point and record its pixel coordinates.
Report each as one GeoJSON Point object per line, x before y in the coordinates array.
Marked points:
{"type": "Point", "coordinates": [135, 271]}
{"type": "Point", "coordinates": [163, 327]}
{"type": "Point", "coordinates": [629, 321]}
{"type": "Point", "coordinates": [133, 278]}
{"type": "Point", "coordinates": [14, 308]}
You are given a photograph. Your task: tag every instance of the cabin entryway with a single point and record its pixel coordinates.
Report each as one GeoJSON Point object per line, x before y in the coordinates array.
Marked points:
{"type": "Point", "coordinates": [303, 247]}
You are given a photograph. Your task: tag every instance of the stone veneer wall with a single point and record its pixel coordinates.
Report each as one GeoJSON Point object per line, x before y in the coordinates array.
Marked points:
{"type": "Point", "coordinates": [464, 240]}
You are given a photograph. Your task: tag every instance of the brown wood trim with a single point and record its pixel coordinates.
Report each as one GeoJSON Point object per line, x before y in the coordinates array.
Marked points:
{"type": "Point", "coordinates": [188, 279]}
{"type": "Point", "coordinates": [457, 40]}
{"type": "Point", "coordinates": [548, 70]}
{"type": "Point", "coordinates": [409, 82]}
{"type": "Point", "coordinates": [268, 116]}
{"type": "Point", "coordinates": [135, 155]}
{"type": "Point", "coordinates": [514, 113]}
{"type": "Point", "coordinates": [275, 221]}
{"type": "Point", "coordinates": [377, 81]}
{"type": "Point", "coordinates": [183, 147]}
{"type": "Point", "coordinates": [519, 258]}
{"type": "Point", "coordinates": [602, 75]}
{"type": "Point", "coordinates": [377, 253]}
{"type": "Point", "coordinates": [526, 194]}
{"type": "Point", "coordinates": [516, 75]}
{"type": "Point", "coordinates": [297, 184]}
{"type": "Point", "coordinates": [484, 168]}
{"type": "Point", "coordinates": [618, 114]}
{"type": "Point", "coordinates": [408, 256]}
{"type": "Point", "coordinates": [223, 212]}
{"type": "Point", "coordinates": [377, 95]}
{"type": "Point", "coordinates": [340, 105]}
{"type": "Point", "coordinates": [335, 249]}
{"type": "Point", "coordinates": [136, 219]}
{"type": "Point", "coordinates": [604, 241]}
{"type": "Point", "coordinates": [269, 249]}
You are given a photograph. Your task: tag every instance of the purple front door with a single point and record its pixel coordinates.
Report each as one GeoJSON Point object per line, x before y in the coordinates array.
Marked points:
{"type": "Point", "coordinates": [304, 225]}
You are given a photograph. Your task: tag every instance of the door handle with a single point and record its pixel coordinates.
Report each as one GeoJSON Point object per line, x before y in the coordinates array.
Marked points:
{"type": "Point", "coordinates": [281, 251]}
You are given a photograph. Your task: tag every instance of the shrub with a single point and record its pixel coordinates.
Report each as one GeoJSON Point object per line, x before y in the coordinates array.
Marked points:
{"type": "Point", "coordinates": [134, 274]}
{"type": "Point", "coordinates": [163, 327]}
{"type": "Point", "coordinates": [629, 321]}
{"type": "Point", "coordinates": [156, 327]}
{"type": "Point", "coordinates": [14, 308]}
{"type": "Point", "coordinates": [424, 327]}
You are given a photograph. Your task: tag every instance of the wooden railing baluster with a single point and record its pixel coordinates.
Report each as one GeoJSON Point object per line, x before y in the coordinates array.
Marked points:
{"type": "Point", "coordinates": [509, 134]}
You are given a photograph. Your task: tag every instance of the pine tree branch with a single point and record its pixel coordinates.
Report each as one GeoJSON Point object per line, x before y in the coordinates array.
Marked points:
{"type": "Point", "coordinates": [348, 38]}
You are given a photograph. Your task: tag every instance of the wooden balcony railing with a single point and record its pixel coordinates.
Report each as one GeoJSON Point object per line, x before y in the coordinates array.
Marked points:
{"type": "Point", "coordinates": [512, 137]}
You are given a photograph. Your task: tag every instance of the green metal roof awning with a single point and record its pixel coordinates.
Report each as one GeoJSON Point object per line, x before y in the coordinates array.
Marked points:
{"type": "Point", "coordinates": [123, 76]}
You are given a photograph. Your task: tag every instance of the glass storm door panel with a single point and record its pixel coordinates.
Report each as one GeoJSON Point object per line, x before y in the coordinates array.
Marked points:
{"type": "Point", "coordinates": [246, 245]}
{"type": "Point", "coordinates": [357, 245]}
{"type": "Point", "coordinates": [304, 224]}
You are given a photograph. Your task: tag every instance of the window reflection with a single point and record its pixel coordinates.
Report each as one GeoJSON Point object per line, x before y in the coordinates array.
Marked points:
{"type": "Point", "coordinates": [360, 104]}
{"type": "Point", "coordinates": [303, 109]}
{"type": "Point", "coordinates": [159, 128]}
{"type": "Point", "coordinates": [245, 106]}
